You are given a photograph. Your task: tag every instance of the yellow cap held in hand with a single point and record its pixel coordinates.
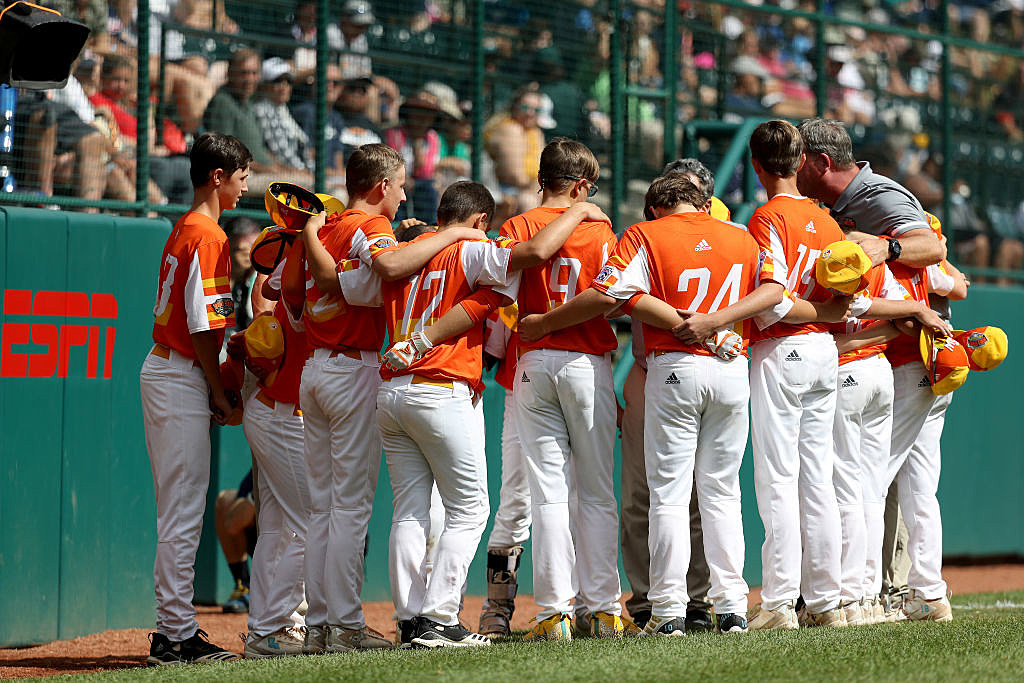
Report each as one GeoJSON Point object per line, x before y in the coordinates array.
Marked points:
{"type": "Point", "coordinates": [270, 247]}
{"type": "Point", "coordinates": [264, 345]}
{"type": "Point", "coordinates": [842, 268]}
{"type": "Point", "coordinates": [291, 205]}
{"type": "Point", "coordinates": [986, 347]}
{"type": "Point", "coordinates": [719, 210]}
{"type": "Point", "coordinates": [332, 205]}
{"type": "Point", "coordinates": [946, 362]}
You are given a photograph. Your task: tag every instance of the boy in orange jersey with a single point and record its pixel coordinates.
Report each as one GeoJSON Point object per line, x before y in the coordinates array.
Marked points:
{"type": "Point", "coordinates": [276, 345]}
{"type": "Point", "coordinates": [695, 420]}
{"type": "Point", "coordinates": [431, 422]}
{"type": "Point", "coordinates": [339, 382]}
{"type": "Point", "coordinates": [793, 399]}
{"type": "Point", "coordinates": [181, 386]}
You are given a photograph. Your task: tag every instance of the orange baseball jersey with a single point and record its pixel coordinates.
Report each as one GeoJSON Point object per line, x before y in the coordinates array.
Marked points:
{"type": "Point", "coordinates": [285, 387]}
{"type": "Point", "coordinates": [795, 230]}
{"type": "Point", "coordinates": [693, 262]}
{"type": "Point", "coordinates": [414, 303]}
{"type": "Point", "coordinates": [567, 273]}
{"type": "Point", "coordinates": [194, 289]}
{"type": "Point", "coordinates": [881, 285]}
{"type": "Point", "coordinates": [905, 348]}
{"type": "Point", "coordinates": [502, 341]}
{"type": "Point", "coordinates": [331, 322]}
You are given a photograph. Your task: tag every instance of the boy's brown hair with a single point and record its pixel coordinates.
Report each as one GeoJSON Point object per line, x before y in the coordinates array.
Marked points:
{"type": "Point", "coordinates": [669, 191]}
{"type": "Point", "coordinates": [778, 147]}
{"type": "Point", "coordinates": [461, 200]}
{"type": "Point", "coordinates": [211, 151]}
{"type": "Point", "coordinates": [565, 161]}
{"type": "Point", "coordinates": [368, 165]}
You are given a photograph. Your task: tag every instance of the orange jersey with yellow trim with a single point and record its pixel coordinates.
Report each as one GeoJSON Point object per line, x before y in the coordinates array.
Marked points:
{"type": "Point", "coordinates": [330, 321]}
{"type": "Point", "coordinates": [415, 303]}
{"type": "Point", "coordinates": [905, 348]}
{"type": "Point", "coordinates": [563, 276]}
{"type": "Point", "coordinates": [285, 387]}
{"type": "Point", "coordinates": [882, 284]}
{"type": "Point", "coordinates": [693, 262]}
{"type": "Point", "coordinates": [194, 288]}
{"type": "Point", "coordinates": [795, 230]}
{"type": "Point", "coordinates": [502, 341]}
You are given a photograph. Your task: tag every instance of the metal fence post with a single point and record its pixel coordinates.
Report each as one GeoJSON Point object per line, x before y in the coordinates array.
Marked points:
{"type": "Point", "coordinates": [322, 57]}
{"type": "Point", "coordinates": [142, 111]}
{"type": "Point", "coordinates": [947, 126]}
{"type": "Point", "coordinates": [820, 79]}
{"type": "Point", "coordinates": [671, 77]}
{"type": "Point", "coordinates": [615, 75]}
{"type": "Point", "coordinates": [476, 157]}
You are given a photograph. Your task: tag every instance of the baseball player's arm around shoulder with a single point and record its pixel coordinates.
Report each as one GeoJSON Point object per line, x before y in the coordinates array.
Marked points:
{"type": "Point", "coordinates": [655, 312]}
{"type": "Point", "coordinates": [403, 262]}
{"type": "Point", "coordinates": [552, 236]}
{"type": "Point", "coordinates": [322, 265]}
{"type": "Point", "coordinates": [698, 326]}
{"type": "Point", "coordinates": [919, 248]}
{"type": "Point", "coordinates": [876, 333]}
{"type": "Point", "coordinates": [832, 310]}
{"type": "Point", "coordinates": [470, 312]}
{"type": "Point", "coordinates": [581, 308]}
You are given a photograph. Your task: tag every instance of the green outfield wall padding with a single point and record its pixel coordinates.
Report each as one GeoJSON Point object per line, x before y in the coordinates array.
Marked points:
{"type": "Point", "coordinates": [77, 514]}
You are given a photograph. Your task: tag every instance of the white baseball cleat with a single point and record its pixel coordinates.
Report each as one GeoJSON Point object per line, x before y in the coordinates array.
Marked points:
{"type": "Point", "coordinates": [919, 609]}
{"type": "Point", "coordinates": [284, 642]}
{"type": "Point", "coordinates": [782, 617]}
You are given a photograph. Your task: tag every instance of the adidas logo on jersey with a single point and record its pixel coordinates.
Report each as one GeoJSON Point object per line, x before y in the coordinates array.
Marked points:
{"type": "Point", "coordinates": [524, 379]}
{"type": "Point", "coordinates": [849, 382]}
{"type": "Point", "coordinates": [672, 379]}
{"type": "Point", "coordinates": [925, 382]}
{"type": "Point", "coordinates": [810, 227]}
{"type": "Point", "coordinates": [702, 246]}
{"type": "Point", "coordinates": [793, 355]}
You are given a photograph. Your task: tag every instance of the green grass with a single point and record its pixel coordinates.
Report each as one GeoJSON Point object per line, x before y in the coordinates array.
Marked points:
{"type": "Point", "coordinates": [984, 642]}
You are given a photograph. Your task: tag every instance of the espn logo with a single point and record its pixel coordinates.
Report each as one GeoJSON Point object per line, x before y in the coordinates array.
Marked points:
{"type": "Point", "coordinates": [53, 342]}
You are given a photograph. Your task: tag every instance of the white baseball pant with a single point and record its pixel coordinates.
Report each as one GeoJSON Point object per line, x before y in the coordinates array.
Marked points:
{"type": "Point", "coordinates": [343, 460]}
{"type": "Point", "coordinates": [917, 419]}
{"type": "Point", "coordinates": [792, 402]}
{"type": "Point", "coordinates": [512, 520]}
{"type": "Point", "coordinates": [695, 430]}
{"type": "Point", "coordinates": [861, 432]}
{"type": "Point", "coordinates": [433, 434]}
{"type": "Point", "coordinates": [276, 438]}
{"type": "Point", "coordinates": [563, 398]}
{"type": "Point", "coordinates": [176, 416]}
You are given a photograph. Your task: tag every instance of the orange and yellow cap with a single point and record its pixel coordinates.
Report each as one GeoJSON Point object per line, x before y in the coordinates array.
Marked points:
{"type": "Point", "coordinates": [986, 347]}
{"type": "Point", "coordinates": [719, 210]}
{"type": "Point", "coordinates": [291, 205]}
{"type": "Point", "coordinates": [946, 362]}
{"type": "Point", "coordinates": [264, 345]}
{"type": "Point", "coordinates": [332, 205]}
{"type": "Point", "coordinates": [269, 247]}
{"type": "Point", "coordinates": [842, 268]}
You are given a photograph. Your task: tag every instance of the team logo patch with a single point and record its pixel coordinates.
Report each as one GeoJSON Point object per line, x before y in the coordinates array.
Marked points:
{"type": "Point", "coordinates": [525, 379]}
{"type": "Point", "coordinates": [702, 246]}
{"type": "Point", "coordinates": [975, 340]}
{"type": "Point", "coordinates": [925, 382]}
{"type": "Point", "coordinates": [826, 253]}
{"type": "Point", "coordinates": [810, 227]}
{"type": "Point", "coordinates": [382, 243]}
{"type": "Point", "coordinates": [793, 355]}
{"type": "Point", "coordinates": [672, 379]}
{"type": "Point", "coordinates": [605, 273]}
{"type": "Point", "coordinates": [223, 307]}
{"type": "Point", "coordinates": [849, 382]}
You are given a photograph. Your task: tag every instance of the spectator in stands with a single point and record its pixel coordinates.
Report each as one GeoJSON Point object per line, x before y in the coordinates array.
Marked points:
{"type": "Point", "coordinates": [305, 114]}
{"type": "Point", "coordinates": [455, 129]}
{"type": "Point", "coordinates": [356, 18]}
{"type": "Point", "coordinates": [848, 100]}
{"type": "Point", "coordinates": [168, 163]}
{"type": "Point", "coordinates": [566, 97]}
{"type": "Point", "coordinates": [1009, 104]}
{"type": "Point", "coordinates": [514, 140]}
{"type": "Point", "coordinates": [357, 129]}
{"type": "Point", "coordinates": [747, 96]}
{"type": "Point", "coordinates": [304, 30]}
{"type": "Point", "coordinates": [420, 147]}
{"type": "Point", "coordinates": [242, 232]}
{"type": "Point", "coordinates": [283, 136]}
{"type": "Point", "coordinates": [82, 152]}
{"type": "Point", "coordinates": [35, 142]}
{"type": "Point", "coordinates": [232, 111]}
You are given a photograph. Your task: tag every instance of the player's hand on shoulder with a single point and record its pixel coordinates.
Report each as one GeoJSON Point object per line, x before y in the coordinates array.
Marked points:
{"type": "Point", "coordinates": [695, 327]}
{"type": "Point", "coordinates": [591, 212]}
{"type": "Point", "coordinates": [461, 233]}
{"type": "Point", "coordinates": [410, 222]}
{"type": "Point", "coordinates": [531, 327]}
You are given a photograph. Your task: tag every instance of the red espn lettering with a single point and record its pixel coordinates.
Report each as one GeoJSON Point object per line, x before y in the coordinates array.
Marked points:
{"type": "Point", "coordinates": [56, 339]}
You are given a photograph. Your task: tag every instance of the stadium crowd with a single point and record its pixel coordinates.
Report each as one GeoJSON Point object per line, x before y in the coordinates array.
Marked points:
{"type": "Point", "coordinates": [395, 77]}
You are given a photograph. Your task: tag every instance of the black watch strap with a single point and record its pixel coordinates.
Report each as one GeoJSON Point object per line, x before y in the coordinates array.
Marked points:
{"type": "Point", "coordinates": [895, 249]}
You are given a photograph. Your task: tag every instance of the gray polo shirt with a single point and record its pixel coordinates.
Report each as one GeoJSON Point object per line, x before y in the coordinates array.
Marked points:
{"type": "Point", "coordinates": [876, 205]}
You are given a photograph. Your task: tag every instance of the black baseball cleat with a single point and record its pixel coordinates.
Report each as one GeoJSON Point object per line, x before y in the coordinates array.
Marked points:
{"type": "Point", "coordinates": [405, 629]}
{"type": "Point", "coordinates": [698, 620]}
{"type": "Point", "coordinates": [641, 617]}
{"type": "Point", "coordinates": [431, 634]}
{"type": "Point", "coordinates": [195, 650]}
{"type": "Point", "coordinates": [666, 626]}
{"type": "Point", "coordinates": [732, 623]}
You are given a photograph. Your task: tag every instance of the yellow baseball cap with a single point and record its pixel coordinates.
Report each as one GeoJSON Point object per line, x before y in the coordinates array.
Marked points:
{"type": "Point", "coordinates": [264, 345]}
{"type": "Point", "coordinates": [269, 247]}
{"type": "Point", "coordinates": [934, 224]}
{"type": "Point", "coordinates": [986, 347]}
{"type": "Point", "coordinates": [842, 268]}
{"type": "Point", "coordinates": [946, 362]}
{"type": "Point", "coordinates": [719, 210]}
{"type": "Point", "coordinates": [332, 205]}
{"type": "Point", "coordinates": [291, 205]}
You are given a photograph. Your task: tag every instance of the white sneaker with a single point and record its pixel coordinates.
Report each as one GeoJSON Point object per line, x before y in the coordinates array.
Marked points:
{"type": "Point", "coordinates": [782, 617]}
{"type": "Point", "coordinates": [894, 609]}
{"type": "Point", "coordinates": [853, 612]}
{"type": "Point", "coordinates": [284, 642]}
{"type": "Point", "coordinates": [918, 609]}
{"type": "Point", "coordinates": [830, 618]}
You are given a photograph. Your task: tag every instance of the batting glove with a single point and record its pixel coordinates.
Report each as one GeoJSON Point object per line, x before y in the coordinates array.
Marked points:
{"type": "Point", "coordinates": [725, 344]}
{"type": "Point", "coordinates": [404, 353]}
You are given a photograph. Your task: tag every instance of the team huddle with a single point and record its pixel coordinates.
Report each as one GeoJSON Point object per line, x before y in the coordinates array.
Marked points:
{"type": "Point", "coordinates": [789, 315]}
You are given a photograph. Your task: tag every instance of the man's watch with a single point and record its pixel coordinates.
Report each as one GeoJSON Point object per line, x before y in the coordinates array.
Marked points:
{"type": "Point", "coordinates": [895, 249]}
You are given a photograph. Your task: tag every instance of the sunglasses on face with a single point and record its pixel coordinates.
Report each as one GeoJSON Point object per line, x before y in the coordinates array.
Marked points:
{"type": "Point", "coordinates": [591, 186]}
